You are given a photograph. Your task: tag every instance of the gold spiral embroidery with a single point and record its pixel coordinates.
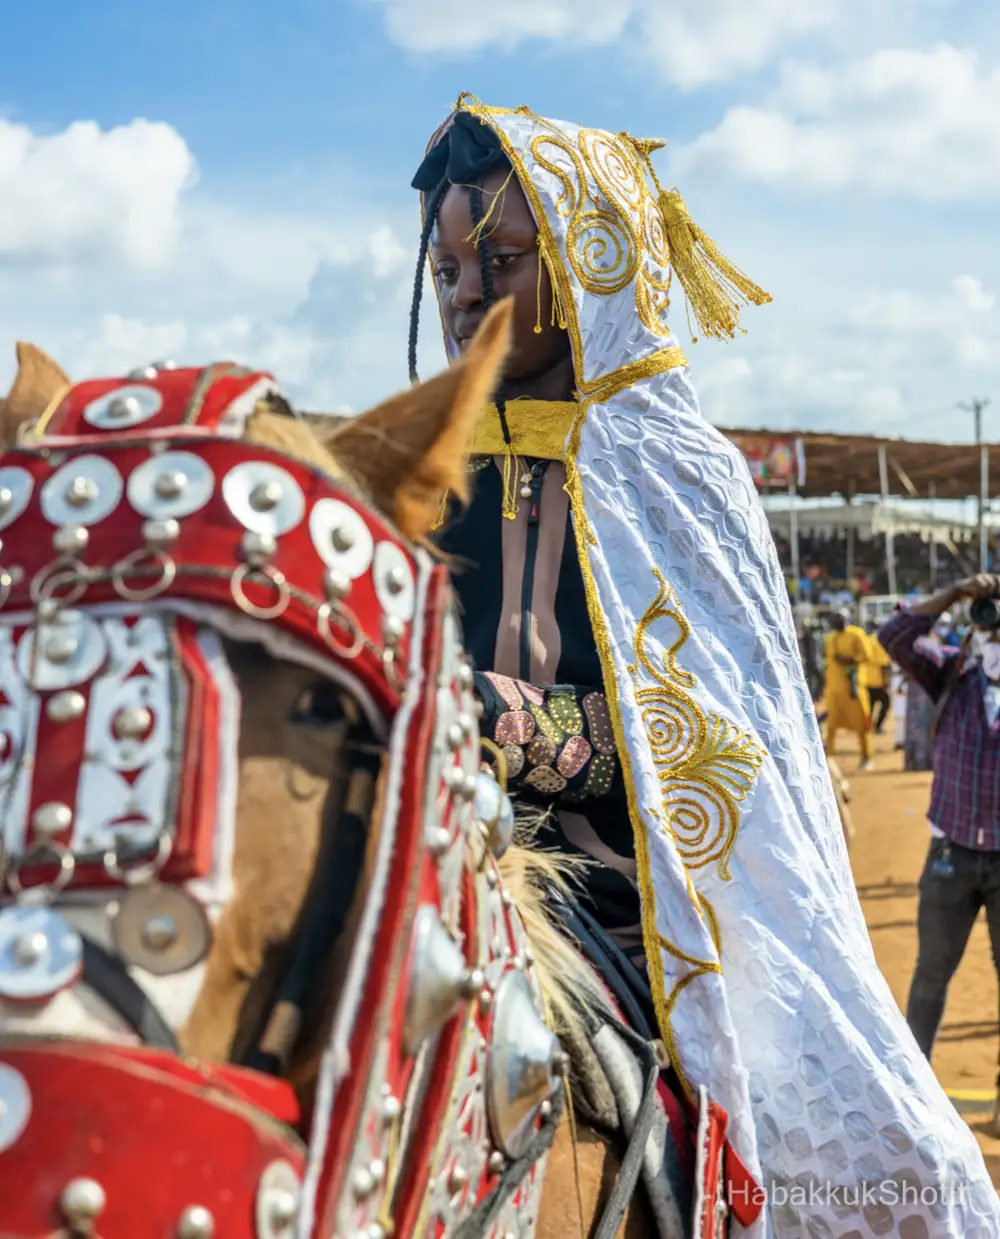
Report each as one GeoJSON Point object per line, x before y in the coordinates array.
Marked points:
{"type": "Point", "coordinates": [610, 249]}
{"type": "Point", "coordinates": [615, 169]}
{"type": "Point", "coordinates": [572, 179]}
{"type": "Point", "coordinates": [706, 766]}
{"type": "Point", "coordinates": [594, 237]}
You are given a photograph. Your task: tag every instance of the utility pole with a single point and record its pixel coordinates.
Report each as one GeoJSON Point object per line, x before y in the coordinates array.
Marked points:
{"type": "Point", "coordinates": [976, 407]}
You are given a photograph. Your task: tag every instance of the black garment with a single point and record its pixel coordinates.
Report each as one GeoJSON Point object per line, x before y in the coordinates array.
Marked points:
{"type": "Point", "coordinates": [879, 697]}
{"type": "Point", "coordinates": [475, 540]}
{"type": "Point", "coordinates": [955, 884]}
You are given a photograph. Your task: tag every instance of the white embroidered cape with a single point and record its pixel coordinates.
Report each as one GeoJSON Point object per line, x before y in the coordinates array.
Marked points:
{"type": "Point", "coordinates": [765, 982]}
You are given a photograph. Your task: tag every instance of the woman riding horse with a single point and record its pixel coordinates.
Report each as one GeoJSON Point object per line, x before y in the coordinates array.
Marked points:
{"type": "Point", "coordinates": [638, 667]}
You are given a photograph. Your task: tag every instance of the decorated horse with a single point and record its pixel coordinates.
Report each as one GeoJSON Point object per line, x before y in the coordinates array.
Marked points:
{"type": "Point", "coordinates": [272, 962]}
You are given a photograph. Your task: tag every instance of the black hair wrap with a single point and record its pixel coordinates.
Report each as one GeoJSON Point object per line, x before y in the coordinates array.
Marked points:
{"type": "Point", "coordinates": [462, 156]}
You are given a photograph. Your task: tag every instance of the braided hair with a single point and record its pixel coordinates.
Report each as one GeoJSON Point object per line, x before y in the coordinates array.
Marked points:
{"type": "Point", "coordinates": [430, 218]}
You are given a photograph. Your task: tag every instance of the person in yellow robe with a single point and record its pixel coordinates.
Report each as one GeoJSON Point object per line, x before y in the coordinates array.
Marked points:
{"type": "Point", "coordinates": [875, 676]}
{"type": "Point", "coordinates": [847, 703]}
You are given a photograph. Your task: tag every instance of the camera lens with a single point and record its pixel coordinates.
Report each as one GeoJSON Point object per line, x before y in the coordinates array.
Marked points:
{"type": "Point", "coordinates": [985, 613]}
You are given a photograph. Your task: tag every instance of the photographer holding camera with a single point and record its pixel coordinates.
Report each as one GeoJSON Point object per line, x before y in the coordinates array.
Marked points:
{"type": "Point", "coordinates": [962, 871]}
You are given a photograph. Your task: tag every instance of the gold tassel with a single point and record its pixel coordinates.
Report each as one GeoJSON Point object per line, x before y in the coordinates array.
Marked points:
{"type": "Point", "coordinates": [558, 316]}
{"type": "Point", "coordinates": [509, 509]}
{"type": "Point", "coordinates": [715, 289]}
{"type": "Point", "coordinates": [477, 234]}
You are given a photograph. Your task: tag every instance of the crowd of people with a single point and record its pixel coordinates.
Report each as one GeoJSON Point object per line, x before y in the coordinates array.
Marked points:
{"type": "Point", "coordinates": [830, 576]}
{"type": "Point", "coordinates": [861, 685]}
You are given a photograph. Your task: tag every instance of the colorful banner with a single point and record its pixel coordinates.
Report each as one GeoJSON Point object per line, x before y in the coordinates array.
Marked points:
{"type": "Point", "coordinates": [774, 461]}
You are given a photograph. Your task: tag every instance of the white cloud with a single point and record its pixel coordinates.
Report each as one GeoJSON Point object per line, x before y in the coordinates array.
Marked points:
{"type": "Point", "coordinates": [957, 312]}
{"type": "Point", "coordinates": [87, 193]}
{"type": "Point", "coordinates": [689, 45]}
{"type": "Point", "coordinates": [916, 123]}
{"type": "Point", "coordinates": [700, 43]}
{"type": "Point", "coordinates": [457, 26]}
{"type": "Point", "coordinates": [895, 362]}
{"type": "Point", "coordinates": [89, 218]}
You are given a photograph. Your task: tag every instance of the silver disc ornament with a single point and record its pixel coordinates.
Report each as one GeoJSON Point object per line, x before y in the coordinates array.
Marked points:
{"type": "Point", "coordinates": [264, 497]}
{"type": "Point", "coordinates": [161, 929]}
{"type": "Point", "coordinates": [40, 954]}
{"type": "Point", "coordinates": [125, 407]}
{"type": "Point", "coordinates": [171, 485]}
{"type": "Point", "coordinates": [85, 491]}
{"type": "Point", "coordinates": [16, 485]}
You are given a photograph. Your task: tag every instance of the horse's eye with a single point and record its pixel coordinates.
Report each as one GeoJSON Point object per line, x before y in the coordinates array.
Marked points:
{"type": "Point", "coordinates": [317, 706]}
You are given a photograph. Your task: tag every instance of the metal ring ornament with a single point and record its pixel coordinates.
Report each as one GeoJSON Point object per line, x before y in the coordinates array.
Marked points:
{"type": "Point", "coordinates": [69, 571]}
{"type": "Point", "coordinates": [144, 871]}
{"type": "Point", "coordinates": [274, 577]}
{"type": "Point", "coordinates": [67, 868]}
{"type": "Point", "coordinates": [161, 583]}
{"type": "Point", "coordinates": [347, 621]}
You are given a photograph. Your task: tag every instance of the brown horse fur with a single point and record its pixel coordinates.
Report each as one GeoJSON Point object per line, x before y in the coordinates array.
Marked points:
{"type": "Point", "coordinates": [37, 383]}
{"type": "Point", "coordinates": [405, 455]}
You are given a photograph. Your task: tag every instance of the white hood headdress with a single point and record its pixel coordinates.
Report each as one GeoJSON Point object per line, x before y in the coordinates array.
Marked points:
{"type": "Point", "coordinates": [765, 984]}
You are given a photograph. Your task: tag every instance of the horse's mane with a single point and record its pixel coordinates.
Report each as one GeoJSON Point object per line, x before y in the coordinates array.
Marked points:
{"type": "Point", "coordinates": [567, 983]}
{"type": "Point", "coordinates": [296, 436]}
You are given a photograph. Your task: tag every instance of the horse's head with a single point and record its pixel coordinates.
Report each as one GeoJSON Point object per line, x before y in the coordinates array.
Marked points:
{"type": "Point", "coordinates": [242, 809]}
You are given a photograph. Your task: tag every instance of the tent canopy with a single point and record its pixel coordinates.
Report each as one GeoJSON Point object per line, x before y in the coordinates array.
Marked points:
{"type": "Point", "coordinates": [868, 519]}
{"type": "Point", "coordinates": [846, 464]}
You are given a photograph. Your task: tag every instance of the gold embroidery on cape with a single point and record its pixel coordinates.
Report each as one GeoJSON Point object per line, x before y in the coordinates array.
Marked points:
{"type": "Point", "coordinates": [610, 249]}
{"type": "Point", "coordinates": [705, 765]}
{"type": "Point", "coordinates": [699, 968]}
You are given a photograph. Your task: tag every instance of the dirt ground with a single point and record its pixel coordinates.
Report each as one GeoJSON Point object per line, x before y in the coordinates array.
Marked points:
{"type": "Point", "coordinates": [888, 807]}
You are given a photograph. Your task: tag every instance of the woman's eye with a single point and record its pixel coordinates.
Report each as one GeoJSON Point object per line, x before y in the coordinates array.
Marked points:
{"type": "Point", "coordinates": [445, 275]}
{"type": "Point", "coordinates": [500, 262]}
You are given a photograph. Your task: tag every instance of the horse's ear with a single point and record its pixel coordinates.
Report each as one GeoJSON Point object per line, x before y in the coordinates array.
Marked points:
{"type": "Point", "coordinates": [37, 383]}
{"type": "Point", "coordinates": [409, 452]}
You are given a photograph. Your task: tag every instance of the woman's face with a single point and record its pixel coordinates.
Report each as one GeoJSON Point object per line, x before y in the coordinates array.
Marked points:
{"type": "Point", "coordinates": [540, 363]}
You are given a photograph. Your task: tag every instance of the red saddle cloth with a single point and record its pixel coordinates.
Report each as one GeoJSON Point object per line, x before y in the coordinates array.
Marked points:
{"type": "Point", "coordinates": [141, 1138]}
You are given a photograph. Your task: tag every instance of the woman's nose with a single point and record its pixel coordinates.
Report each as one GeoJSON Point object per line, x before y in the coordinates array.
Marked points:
{"type": "Point", "coordinates": [469, 289]}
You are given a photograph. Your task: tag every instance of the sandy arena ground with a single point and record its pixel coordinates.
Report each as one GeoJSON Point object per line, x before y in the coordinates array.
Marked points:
{"type": "Point", "coordinates": [887, 855]}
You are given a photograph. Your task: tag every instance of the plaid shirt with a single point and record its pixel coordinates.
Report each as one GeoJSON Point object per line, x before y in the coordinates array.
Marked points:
{"type": "Point", "coordinates": [965, 796]}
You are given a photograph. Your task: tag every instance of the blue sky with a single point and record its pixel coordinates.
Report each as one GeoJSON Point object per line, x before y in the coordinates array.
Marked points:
{"type": "Point", "coordinates": [232, 179]}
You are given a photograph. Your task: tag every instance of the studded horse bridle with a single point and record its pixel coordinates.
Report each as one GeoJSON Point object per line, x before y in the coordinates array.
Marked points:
{"type": "Point", "coordinates": [142, 532]}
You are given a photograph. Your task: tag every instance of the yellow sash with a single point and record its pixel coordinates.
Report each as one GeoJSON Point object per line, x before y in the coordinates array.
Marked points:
{"type": "Point", "coordinates": [538, 428]}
